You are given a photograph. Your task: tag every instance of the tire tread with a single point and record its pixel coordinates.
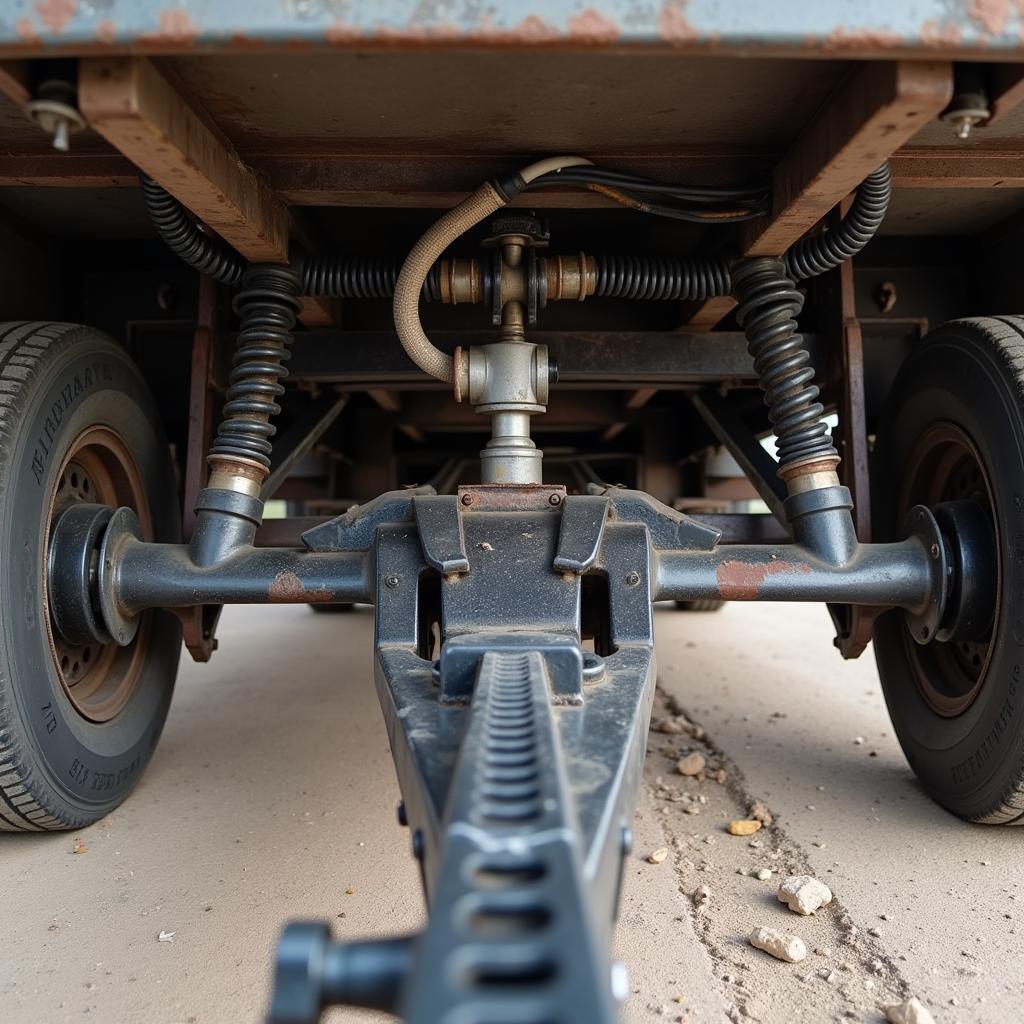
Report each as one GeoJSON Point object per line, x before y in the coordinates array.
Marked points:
{"type": "Point", "coordinates": [24, 347]}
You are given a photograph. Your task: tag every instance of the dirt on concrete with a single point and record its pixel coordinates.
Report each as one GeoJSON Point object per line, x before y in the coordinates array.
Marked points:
{"type": "Point", "coordinates": [272, 797]}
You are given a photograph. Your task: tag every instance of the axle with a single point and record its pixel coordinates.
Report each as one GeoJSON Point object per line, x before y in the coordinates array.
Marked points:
{"type": "Point", "coordinates": [123, 575]}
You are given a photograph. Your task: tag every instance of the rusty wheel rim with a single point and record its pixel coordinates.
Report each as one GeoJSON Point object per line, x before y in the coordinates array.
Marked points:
{"type": "Point", "coordinates": [97, 679]}
{"type": "Point", "coordinates": [945, 465]}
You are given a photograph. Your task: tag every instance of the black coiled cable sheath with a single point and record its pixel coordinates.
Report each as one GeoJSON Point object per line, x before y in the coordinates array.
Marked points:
{"type": "Point", "coordinates": [657, 277]}
{"type": "Point", "coordinates": [360, 277]}
{"type": "Point", "coordinates": [815, 254]}
{"type": "Point", "coordinates": [202, 252]}
{"type": "Point", "coordinates": [373, 277]}
{"type": "Point", "coordinates": [768, 307]}
{"type": "Point", "coordinates": [267, 306]}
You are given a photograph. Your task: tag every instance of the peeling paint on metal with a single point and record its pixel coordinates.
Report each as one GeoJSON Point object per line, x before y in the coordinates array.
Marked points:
{"type": "Point", "coordinates": [740, 581]}
{"type": "Point", "coordinates": [287, 588]}
{"type": "Point", "coordinates": [174, 26]}
{"type": "Point", "coordinates": [843, 39]}
{"type": "Point", "coordinates": [55, 14]}
{"type": "Point", "coordinates": [106, 32]}
{"type": "Point", "coordinates": [673, 24]}
{"type": "Point", "coordinates": [991, 15]}
{"type": "Point", "coordinates": [952, 28]}
{"type": "Point", "coordinates": [590, 26]}
{"type": "Point", "coordinates": [26, 31]}
{"type": "Point", "coordinates": [937, 34]}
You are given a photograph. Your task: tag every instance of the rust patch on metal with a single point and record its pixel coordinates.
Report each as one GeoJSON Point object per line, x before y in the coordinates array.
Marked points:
{"type": "Point", "coordinates": [26, 31]}
{"type": "Point", "coordinates": [857, 40]}
{"type": "Point", "coordinates": [939, 34]}
{"type": "Point", "coordinates": [340, 33]}
{"type": "Point", "coordinates": [739, 581]}
{"type": "Point", "coordinates": [106, 32]}
{"type": "Point", "coordinates": [590, 26]}
{"type": "Point", "coordinates": [532, 30]}
{"type": "Point", "coordinates": [287, 588]}
{"type": "Point", "coordinates": [512, 497]}
{"type": "Point", "coordinates": [673, 24]}
{"type": "Point", "coordinates": [55, 14]}
{"type": "Point", "coordinates": [990, 15]}
{"type": "Point", "coordinates": [174, 27]}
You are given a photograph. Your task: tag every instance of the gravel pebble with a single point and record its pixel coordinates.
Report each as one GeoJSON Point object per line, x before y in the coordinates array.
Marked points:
{"type": "Point", "coordinates": [763, 874]}
{"type": "Point", "coordinates": [759, 810]}
{"type": "Point", "coordinates": [790, 948]}
{"type": "Point", "coordinates": [743, 827]}
{"type": "Point", "coordinates": [658, 855]}
{"type": "Point", "coordinates": [804, 894]}
{"type": "Point", "coordinates": [692, 764]}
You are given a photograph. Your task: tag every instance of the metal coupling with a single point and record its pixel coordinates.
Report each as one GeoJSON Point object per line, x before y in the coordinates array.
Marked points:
{"type": "Point", "coordinates": [509, 376]}
{"type": "Point", "coordinates": [568, 277]}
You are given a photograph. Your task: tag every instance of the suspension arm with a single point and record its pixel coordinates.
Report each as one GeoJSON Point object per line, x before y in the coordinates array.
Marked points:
{"type": "Point", "coordinates": [164, 576]}
{"type": "Point", "coordinates": [899, 575]}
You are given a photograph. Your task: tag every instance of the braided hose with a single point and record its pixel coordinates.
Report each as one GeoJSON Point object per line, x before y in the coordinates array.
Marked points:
{"type": "Point", "coordinates": [424, 254]}
{"type": "Point", "coordinates": [267, 305]}
{"type": "Point", "coordinates": [768, 307]}
{"type": "Point", "coordinates": [202, 252]}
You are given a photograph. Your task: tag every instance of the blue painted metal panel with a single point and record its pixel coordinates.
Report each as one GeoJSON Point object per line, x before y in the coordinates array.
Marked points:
{"type": "Point", "coordinates": [980, 28]}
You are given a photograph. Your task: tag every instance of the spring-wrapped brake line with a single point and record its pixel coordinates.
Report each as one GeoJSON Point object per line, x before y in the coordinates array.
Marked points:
{"type": "Point", "coordinates": [267, 306]}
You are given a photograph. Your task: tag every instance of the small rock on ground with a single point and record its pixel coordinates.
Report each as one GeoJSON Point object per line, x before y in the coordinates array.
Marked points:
{"type": "Point", "coordinates": [743, 827]}
{"type": "Point", "coordinates": [913, 1011]}
{"type": "Point", "coordinates": [804, 894]}
{"type": "Point", "coordinates": [692, 764]}
{"type": "Point", "coordinates": [759, 810]}
{"type": "Point", "coordinates": [790, 948]}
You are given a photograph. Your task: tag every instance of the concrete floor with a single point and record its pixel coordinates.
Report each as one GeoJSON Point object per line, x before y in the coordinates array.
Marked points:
{"type": "Point", "coordinates": [272, 797]}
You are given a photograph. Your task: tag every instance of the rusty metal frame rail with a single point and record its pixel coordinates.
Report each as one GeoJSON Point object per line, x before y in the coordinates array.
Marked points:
{"type": "Point", "coordinates": [793, 28]}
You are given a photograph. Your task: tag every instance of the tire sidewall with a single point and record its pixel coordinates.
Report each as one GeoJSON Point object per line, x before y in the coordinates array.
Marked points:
{"type": "Point", "coordinates": [968, 763]}
{"type": "Point", "coordinates": [86, 380]}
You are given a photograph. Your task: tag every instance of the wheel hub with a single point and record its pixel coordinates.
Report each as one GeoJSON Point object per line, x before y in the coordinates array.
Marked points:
{"type": "Point", "coordinates": [98, 474]}
{"type": "Point", "coordinates": [947, 473]}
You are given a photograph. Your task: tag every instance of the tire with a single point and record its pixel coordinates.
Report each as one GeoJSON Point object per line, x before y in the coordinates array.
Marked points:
{"type": "Point", "coordinates": [954, 430]}
{"type": "Point", "coordinates": [708, 604]}
{"type": "Point", "coordinates": [77, 724]}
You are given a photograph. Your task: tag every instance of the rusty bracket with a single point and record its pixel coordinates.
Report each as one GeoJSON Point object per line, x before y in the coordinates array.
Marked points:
{"type": "Point", "coordinates": [854, 623]}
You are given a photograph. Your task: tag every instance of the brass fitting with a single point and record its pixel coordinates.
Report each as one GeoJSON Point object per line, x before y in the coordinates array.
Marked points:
{"type": "Point", "coordinates": [240, 475]}
{"type": "Point", "coordinates": [461, 281]}
{"type": "Point", "coordinates": [812, 475]}
{"type": "Point", "coordinates": [569, 277]}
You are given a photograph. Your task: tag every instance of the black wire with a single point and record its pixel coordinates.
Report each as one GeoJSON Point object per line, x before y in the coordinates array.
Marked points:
{"type": "Point", "coordinates": [696, 204]}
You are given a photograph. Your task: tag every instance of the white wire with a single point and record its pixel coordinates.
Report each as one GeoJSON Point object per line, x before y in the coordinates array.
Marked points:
{"type": "Point", "coordinates": [552, 163]}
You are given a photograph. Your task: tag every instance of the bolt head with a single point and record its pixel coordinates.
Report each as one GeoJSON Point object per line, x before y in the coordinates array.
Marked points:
{"type": "Point", "coordinates": [467, 499]}
{"type": "Point", "coordinates": [391, 581]}
{"type": "Point", "coordinates": [934, 551]}
{"type": "Point", "coordinates": [632, 579]}
{"type": "Point", "coordinates": [554, 499]}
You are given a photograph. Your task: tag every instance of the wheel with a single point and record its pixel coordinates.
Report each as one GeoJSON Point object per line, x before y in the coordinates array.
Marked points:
{"type": "Point", "coordinates": [78, 723]}
{"type": "Point", "coordinates": [708, 604]}
{"type": "Point", "coordinates": [952, 438]}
